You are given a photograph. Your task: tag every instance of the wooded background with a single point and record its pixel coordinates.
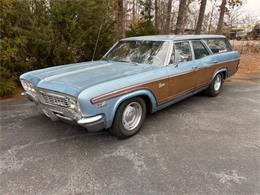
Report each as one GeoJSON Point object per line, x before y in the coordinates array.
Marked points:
{"type": "Point", "coordinates": [40, 33]}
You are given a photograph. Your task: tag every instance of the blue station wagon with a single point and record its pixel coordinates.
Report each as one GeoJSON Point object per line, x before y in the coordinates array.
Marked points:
{"type": "Point", "coordinates": [138, 75]}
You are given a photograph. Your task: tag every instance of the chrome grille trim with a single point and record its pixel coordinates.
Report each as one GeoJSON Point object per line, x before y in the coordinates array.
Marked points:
{"type": "Point", "coordinates": [53, 99]}
{"type": "Point", "coordinates": [57, 104]}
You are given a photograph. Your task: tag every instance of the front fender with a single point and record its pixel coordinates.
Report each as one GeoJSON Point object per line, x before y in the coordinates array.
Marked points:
{"type": "Point", "coordinates": [117, 101]}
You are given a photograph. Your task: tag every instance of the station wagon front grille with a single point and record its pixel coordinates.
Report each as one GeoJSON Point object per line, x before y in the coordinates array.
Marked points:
{"type": "Point", "coordinates": [54, 99]}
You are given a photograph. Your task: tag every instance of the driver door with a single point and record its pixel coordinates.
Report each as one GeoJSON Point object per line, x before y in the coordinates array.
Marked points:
{"type": "Point", "coordinates": [182, 79]}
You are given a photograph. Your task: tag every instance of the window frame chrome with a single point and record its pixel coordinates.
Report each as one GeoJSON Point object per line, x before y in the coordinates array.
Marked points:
{"type": "Point", "coordinates": [173, 49]}
{"type": "Point", "coordinates": [224, 39]}
{"type": "Point", "coordinates": [166, 60]}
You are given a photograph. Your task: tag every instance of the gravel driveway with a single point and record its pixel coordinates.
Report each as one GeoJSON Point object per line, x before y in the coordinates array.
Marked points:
{"type": "Point", "coordinates": [201, 145]}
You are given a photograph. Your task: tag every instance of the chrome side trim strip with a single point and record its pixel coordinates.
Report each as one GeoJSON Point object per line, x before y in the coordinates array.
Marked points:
{"type": "Point", "coordinates": [223, 62]}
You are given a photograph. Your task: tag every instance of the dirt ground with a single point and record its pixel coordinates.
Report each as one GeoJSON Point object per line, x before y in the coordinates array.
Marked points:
{"type": "Point", "coordinates": [249, 66]}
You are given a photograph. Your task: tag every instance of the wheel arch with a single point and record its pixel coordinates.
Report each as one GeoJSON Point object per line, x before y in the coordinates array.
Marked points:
{"type": "Point", "coordinates": [223, 71]}
{"type": "Point", "coordinates": [147, 96]}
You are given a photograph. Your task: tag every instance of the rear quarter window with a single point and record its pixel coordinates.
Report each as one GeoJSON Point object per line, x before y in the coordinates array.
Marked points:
{"type": "Point", "coordinates": [219, 45]}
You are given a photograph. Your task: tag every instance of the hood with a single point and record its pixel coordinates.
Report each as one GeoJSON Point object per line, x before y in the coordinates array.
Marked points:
{"type": "Point", "coordinates": [73, 78]}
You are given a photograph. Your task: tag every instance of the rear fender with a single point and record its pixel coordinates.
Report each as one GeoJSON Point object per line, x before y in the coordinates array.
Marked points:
{"type": "Point", "coordinates": [220, 70]}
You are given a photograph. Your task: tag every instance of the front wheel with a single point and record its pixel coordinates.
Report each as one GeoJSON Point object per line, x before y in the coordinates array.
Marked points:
{"type": "Point", "coordinates": [215, 86]}
{"type": "Point", "coordinates": [129, 118]}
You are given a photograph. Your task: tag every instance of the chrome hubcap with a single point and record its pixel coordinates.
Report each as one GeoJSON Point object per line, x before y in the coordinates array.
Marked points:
{"type": "Point", "coordinates": [217, 83]}
{"type": "Point", "coordinates": [132, 116]}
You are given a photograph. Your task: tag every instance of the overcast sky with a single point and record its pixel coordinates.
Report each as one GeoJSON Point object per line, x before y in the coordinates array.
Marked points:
{"type": "Point", "coordinates": [252, 7]}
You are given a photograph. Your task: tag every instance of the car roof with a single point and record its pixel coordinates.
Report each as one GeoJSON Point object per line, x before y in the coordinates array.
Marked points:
{"type": "Point", "coordinates": [170, 37]}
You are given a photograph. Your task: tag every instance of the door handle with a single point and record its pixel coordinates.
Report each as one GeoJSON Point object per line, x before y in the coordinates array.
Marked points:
{"type": "Point", "coordinates": [215, 61]}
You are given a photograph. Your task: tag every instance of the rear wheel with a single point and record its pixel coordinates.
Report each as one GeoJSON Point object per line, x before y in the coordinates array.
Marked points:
{"type": "Point", "coordinates": [215, 86]}
{"type": "Point", "coordinates": [129, 118]}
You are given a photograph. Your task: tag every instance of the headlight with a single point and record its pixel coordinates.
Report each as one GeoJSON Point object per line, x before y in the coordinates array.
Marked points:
{"type": "Point", "coordinates": [28, 87]}
{"type": "Point", "coordinates": [74, 107]}
{"type": "Point", "coordinates": [72, 103]}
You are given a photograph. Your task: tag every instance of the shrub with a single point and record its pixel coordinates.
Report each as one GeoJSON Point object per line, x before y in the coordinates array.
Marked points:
{"type": "Point", "coordinates": [7, 82]}
{"type": "Point", "coordinates": [141, 28]}
{"type": "Point", "coordinates": [7, 87]}
{"type": "Point", "coordinates": [246, 47]}
{"type": "Point", "coordinates": [39, 34]}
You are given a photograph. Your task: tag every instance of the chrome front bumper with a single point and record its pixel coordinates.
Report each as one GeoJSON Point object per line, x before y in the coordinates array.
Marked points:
{"type": "Point", "coordinates": [94, 123]}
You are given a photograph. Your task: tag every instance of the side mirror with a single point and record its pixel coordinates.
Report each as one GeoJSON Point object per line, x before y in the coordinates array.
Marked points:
{"type": "Point", "coordinates": [182, 59]}
{"type": "Point", "coordinates": [179, 59]}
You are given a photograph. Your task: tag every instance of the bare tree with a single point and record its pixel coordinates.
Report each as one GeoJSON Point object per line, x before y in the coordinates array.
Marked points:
{"type": "Point", "coordinates": [201, 16]}
{"type": "Point", "coordinates": [156, 15]}
{"type": "Point", "coordinates": [221, 16]}
{"type": "Point", "coordinates": [225, 7]}
{"type": "Point", "coordinates": [168, 17]}
{"type": "Point", "coordinates": [120, 19]}
{"type": "Point", "coordinates": [211, 14]}
{"type": "Point", "coordinates": [133, 9]}
{"type": "Point", "coordinates": [181, 15]}
{"type": "Point", "coordinates": [233, 16]}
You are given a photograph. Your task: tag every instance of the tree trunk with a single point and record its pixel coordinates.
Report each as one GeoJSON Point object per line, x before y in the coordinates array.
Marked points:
{"type": "Point", "coordinates": [156, 15]}
{"type": "Point", "coordinates": [211, 15]}
{"type": "Point", "coordinates": [181, 14]}
{"type": "Point", "coordinates": [168, 17]}
{"type": "Point", "coordinates": [120, 19]}
{"type": "Point", "coordinates": [201, 16]}
{"type": "Point", "coordinates": [221, 16]}
{"type": "Point", "coordinates": [133, 10]}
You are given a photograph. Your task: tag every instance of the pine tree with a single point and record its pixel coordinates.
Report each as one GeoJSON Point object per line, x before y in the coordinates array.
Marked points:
{"type": "Point", "coordinates": [145, 25]}
{"type": "Point", "coordinates": [36, 34]}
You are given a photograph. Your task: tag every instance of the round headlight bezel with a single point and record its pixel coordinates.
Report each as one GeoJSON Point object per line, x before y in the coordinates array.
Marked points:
{"type": "Point", "coordinates": [28, 87]}
{"type": "Point", "coordinates": [72, 103]}
{"type": "Point", "coordinates": [74, 107]}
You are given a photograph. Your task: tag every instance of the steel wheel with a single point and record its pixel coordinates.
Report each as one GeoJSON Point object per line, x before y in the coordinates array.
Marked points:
{"type": "Point", "coordinates": [215, 86]}
{"type": "Point", "coordinates": [129, 117]}
{"type": "Point", "coordinates": [132, 116]}
{"type": "Point", "coordinates": [217, 83]}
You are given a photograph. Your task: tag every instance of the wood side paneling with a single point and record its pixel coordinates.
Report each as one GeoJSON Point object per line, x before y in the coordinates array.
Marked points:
{"type": "Point", "coordinates": [177, 84]}
{"type": "Point", "coordinates": [168, 88]}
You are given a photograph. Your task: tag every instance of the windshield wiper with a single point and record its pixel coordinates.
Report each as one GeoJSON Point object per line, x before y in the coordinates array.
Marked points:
{"type": "Point", "coordinates": [106, 59]}
{"type": "Point", "coordinates": [123, 61]}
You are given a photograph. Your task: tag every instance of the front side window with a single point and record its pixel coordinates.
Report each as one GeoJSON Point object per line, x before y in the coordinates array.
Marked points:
{"type": "Point", "coordinates": [143, 52]}
{"type": "Point", "coordinates": [181, 52]}
{"type": "Point", "coordinates": [199, 50]}
{"type": "Point", "coordinates": [218, 45]}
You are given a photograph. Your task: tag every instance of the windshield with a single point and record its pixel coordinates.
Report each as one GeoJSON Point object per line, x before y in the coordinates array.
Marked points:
{"type": "Point", "coordinates": [143, 52]}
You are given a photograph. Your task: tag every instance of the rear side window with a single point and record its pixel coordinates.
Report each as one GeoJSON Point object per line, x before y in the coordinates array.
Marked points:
{"type": "Point", "coordinates": [218, 45]}
{"type": "Point", "coordinates": [199, 50]}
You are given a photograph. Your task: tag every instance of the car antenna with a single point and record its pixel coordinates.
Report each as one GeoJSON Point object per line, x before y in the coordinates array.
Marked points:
{"type": "Point", "coordinates": [96, 42]}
